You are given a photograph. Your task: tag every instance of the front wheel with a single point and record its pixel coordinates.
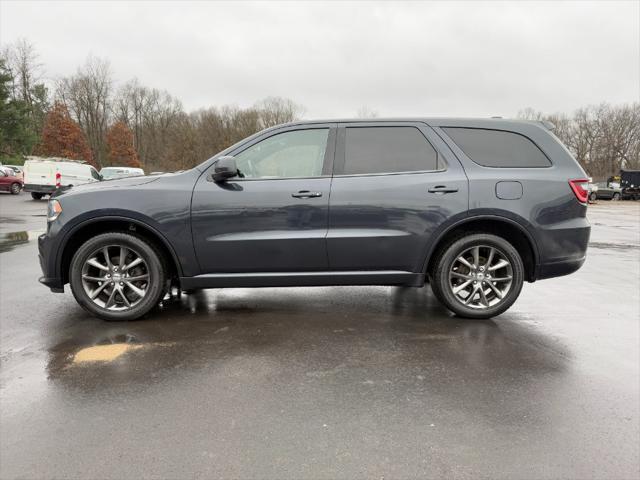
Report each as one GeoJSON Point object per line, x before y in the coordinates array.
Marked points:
{"type": "Point", "coordinates": [593, 197]}
{"type": "Point", "coordinates": [117, 276]}
{"type": "Point", "coordinates": [36, 195]}
{"type": "Point", "coordinates": [15, 188]}
{"type": "Point", "coordinates": [616, 196]}
{"type": "Point", "coordinates": [478, 276]}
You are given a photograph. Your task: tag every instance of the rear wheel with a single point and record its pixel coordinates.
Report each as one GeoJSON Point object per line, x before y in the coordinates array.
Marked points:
{"type": "Point", "coordinates": [36, 195]}
{"type": "Point", "coordinates": [478, 276]}
{"type": "Point", "coordinates": [117, 276]}
{"type": "Point", "coordinates": [15, 188]}
{"type": "Point", "coordinates": [616, 196]}
{"type": "Point", "coordinates": [593, 197]}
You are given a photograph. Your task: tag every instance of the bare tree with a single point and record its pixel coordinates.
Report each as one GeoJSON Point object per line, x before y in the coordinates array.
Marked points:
{"type": "Point", "coordinates": [150, 114]}
{"type": "Point", "coordinates": [603, 138]}
{"type": "Point", "coordinates": [87, 94]}
{"type": "Point", "coordinates": [27, 85]}
{"type": "Point", "coordinates": [276, 110]}
{"type": "Point", "coordinates": [23, 61]}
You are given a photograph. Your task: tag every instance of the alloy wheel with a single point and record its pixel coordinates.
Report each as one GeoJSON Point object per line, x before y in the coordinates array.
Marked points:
{"type": "Point", "coordinates": [480, 277]}
{"type": "Point", "coordinates": [115, 277]}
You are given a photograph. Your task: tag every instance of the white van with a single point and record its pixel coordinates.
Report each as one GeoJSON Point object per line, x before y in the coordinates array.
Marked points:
{"type": "Point", "coordinates": [120, 172]}
{"type": "Point", "coordinates": [42, 176]}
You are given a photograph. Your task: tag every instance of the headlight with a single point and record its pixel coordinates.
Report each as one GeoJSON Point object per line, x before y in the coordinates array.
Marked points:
{"type": "Point", "coordinates": [54, 209]}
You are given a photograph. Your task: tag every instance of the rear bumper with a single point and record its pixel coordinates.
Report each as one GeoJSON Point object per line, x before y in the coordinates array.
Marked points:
{"type": "Point", "coordinates": [564, 250]}
{"type": "Point", "coordinates": [558, 269]}
{"type": "Point", "coordinates": [32, 187]}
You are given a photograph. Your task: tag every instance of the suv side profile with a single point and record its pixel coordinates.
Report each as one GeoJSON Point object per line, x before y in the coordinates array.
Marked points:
{"type": "Point", "coordinates": [473, 207]}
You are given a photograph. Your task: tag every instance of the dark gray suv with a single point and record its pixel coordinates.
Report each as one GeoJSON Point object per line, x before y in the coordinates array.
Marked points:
{"type": "Point", "coordinates": [473, 207]}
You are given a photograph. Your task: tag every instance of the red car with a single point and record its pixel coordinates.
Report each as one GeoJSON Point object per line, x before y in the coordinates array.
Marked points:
{"type": "Point", "coordinates": [9, 181]}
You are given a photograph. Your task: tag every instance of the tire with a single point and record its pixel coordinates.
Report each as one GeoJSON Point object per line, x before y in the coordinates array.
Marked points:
{"type": "Point", "coordinates": [616, 196]}
{"type": "Point", "coordinates": [450, 273]}
{"type": "Point", "coordinates": [15, 188]}
{"type": "Point", "coordinates": [36, 195]}
{"type": "Point", "coordinates": [118, 300]}
{"type": "Point", "coordinates": [593, 197]}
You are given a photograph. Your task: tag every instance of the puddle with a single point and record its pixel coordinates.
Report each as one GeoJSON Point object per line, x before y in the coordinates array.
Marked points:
{"type": "Point", "coordinates": [103, 353]}
{"type": "Point", "coordinates": [9, 241]}
{"type": "Point", "coordinates": [617, 246]}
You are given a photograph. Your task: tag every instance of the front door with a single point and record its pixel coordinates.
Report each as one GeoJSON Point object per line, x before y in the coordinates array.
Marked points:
{"type": "Point", "coordinates": [274, 216]}
{"type": "Point", "coordinates": [395, 184]}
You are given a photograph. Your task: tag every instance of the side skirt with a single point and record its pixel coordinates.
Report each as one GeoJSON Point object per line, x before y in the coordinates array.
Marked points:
{"type": "Point", "coordinates": [306, 279]}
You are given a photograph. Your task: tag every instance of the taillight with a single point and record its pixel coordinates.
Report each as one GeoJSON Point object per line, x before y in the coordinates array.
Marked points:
{"type": "Point", "coordinates": [581, 189]}
{"type": "Point", "coordinates": [58, 180]}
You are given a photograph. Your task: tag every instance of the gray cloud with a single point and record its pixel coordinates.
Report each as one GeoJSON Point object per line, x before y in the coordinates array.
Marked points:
{"type": "Point", "coordinates": [431, 58]}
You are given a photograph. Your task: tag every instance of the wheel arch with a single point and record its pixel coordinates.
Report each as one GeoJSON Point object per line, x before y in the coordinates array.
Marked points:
{"type": "Point", "coordinates": [89, 228]}
{"type": "Point", "coordinates": [504, 227]}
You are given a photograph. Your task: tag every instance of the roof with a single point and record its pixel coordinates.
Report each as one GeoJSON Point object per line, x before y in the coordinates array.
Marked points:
{"type": "Point", "coordinates": [52, 159]}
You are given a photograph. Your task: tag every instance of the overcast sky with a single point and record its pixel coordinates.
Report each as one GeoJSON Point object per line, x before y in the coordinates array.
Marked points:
{"type": "Point", "coordinates": [431, 58]}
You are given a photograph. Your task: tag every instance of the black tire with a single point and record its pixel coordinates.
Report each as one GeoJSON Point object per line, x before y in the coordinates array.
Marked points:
{"type": "Point", "coordinates": [593, 197]}
{"type": "Point", "coordinates": [616, 196]}
{"type": "Point", "coordinates": [36, 195]}
{"type": "Point", "coordinates": [144, 249]}
{"type": "Point", "coordinates": [440, 283]}
{"type": "Point", "coordinates": [15, 188]}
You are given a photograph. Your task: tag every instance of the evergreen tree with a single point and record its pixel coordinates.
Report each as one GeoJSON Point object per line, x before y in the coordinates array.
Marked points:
{"type": "Point", "coordinates": [16, 135]}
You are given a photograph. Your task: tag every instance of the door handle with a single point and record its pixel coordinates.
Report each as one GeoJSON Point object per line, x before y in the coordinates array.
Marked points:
{"type": "Point", "coordinates": [442, 189]}
{"type": "Point", "coordinates": [306, 194]}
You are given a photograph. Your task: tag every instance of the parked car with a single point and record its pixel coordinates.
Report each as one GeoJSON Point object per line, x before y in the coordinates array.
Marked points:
{"type": "Point", "coordinates": [9, 181]}
{"type": "Point", "coordinates": [473, 207]}
{"type": "Point", "coordinates": [630, 184]}
{"type": "Point", "coordinates": [606, 191]}
{"type": "Point", "coordinates": [43, 176]}
{"type": "Point", "coordinates": [592, 188]}
{"type": "Point", "coordinates": [17, 170]}
{"type": "Point", "coordinates": [109, 173]}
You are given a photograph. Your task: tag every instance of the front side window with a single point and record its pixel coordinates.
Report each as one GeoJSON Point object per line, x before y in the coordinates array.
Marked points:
{"type": "Point", "coordinates": [298, 153]}
{"type": "Point", "coordinates": [387, 150]}
{"type": "Point", "coordinates": [497, 148]}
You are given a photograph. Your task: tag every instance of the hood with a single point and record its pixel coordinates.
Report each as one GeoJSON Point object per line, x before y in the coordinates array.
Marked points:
{"type": "Point", "coordinates": [107, 184]}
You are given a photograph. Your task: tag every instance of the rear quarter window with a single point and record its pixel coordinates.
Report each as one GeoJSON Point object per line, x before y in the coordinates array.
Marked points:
{"type": "Point", "coordinates": [498, 148]}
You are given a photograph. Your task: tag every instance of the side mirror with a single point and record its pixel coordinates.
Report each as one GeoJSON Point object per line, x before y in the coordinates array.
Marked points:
{"type": "Point", "coordinates": [224, 168]}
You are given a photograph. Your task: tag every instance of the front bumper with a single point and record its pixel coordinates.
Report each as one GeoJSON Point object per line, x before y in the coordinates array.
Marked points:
{"type": "Point", "coordinates": [50, 277]}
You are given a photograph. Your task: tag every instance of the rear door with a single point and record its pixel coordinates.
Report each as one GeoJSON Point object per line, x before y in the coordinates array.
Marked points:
{"type": "Point", "coordinates": [275, 217]}
{"type": "Point", "coordinates": [40, 173]}
{"type": "Point", "coordinates": [394, 185]}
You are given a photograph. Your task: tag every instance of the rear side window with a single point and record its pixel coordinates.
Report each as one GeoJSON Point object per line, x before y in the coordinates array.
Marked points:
{"type": "Point", "coordinates": [497, 148]}
{"type": "Point", "coordinates": [387, 150]}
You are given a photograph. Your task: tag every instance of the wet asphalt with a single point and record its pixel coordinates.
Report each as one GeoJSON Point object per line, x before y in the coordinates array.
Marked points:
{"type": "Point", "coordinates": [359, 382]}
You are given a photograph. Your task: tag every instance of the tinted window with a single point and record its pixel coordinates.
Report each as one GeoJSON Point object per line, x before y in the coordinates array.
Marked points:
{"type": "Point", "coordinates": [495, 148]}
{"type": "Point", "coordinates": [387, 149]}
{"type": "Point", "coordinates": [298, 153]}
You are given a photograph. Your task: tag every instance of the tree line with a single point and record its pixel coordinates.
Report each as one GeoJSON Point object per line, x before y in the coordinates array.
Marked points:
{"type": "Point", "coordinates": [603, 138]}
{"type": "Point", "coordinates": [89, 116]}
